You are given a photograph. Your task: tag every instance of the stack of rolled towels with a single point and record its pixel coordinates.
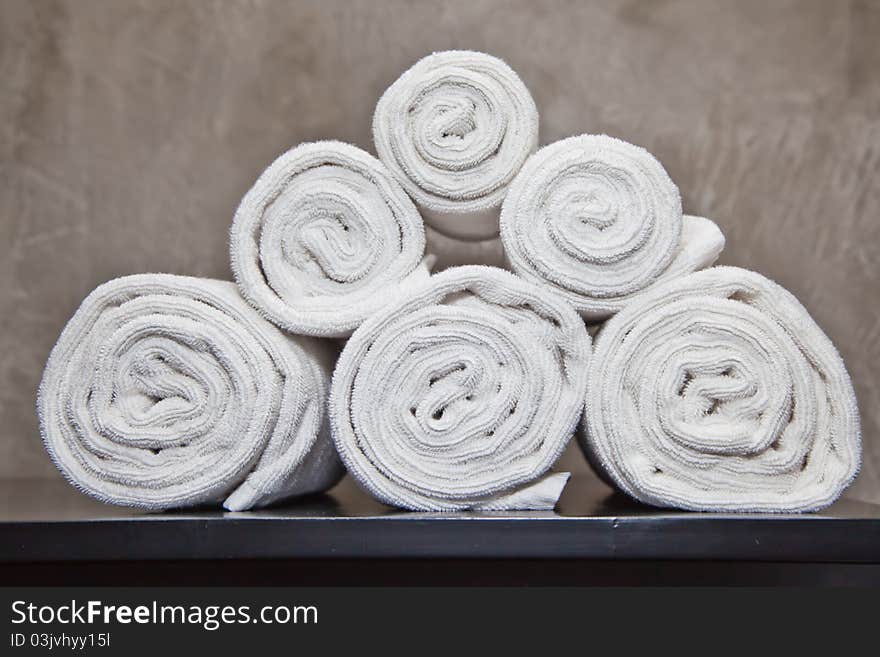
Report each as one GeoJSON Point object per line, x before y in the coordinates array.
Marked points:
{"type": "Point", "coordinates": [707, 388]}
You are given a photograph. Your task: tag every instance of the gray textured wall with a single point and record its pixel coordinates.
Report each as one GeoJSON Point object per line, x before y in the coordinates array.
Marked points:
{"type": "Point", "coordinates": [129, 131]}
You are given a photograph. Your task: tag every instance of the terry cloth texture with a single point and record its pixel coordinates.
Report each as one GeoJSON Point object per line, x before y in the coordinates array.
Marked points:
{"type": "Point", "coordinates": [599, 221]}
{"type": "Point", "coordinates": [718, 392]}
{"type": "Point", "coordinates": [324, 238]}
{"type": "Point", "coordinates": [168, 391]}
{"type": "Point", "coordinates": [462, 395]}
{"type": "Point", "coordinates": [455, 129]}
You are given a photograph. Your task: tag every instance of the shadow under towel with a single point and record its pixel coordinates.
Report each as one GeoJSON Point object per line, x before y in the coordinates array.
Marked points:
{"type": "Point", "coordinates": [462, 395]}
{"type": "Point", "coordinates": [169, 391]}
{"type": "Point", "coordinates": [718, 392]}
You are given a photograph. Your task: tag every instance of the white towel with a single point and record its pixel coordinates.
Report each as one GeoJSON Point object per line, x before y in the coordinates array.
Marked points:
{"type": "Point", "coordinates": [599, 221]}
{"type": "Point", "coordinates": [168, 391]}
{"type": "Point", "coordinates": [462, 395]}
{"type": "Point", "coordinates": [718, 392]}
{"type": "Point", "coordinates": [455, 129]}
{"type": "Point", "coordinates": [324, 238]}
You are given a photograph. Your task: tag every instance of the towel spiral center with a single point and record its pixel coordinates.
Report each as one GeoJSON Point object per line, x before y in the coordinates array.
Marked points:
{"type": "Point", "coordinates": [458, 378]}
{"type": "Point", "coordinates": [456, 123]}
{"type": "Point", "coordinates": [716, 377]}
{"type": "Point", "coordinates": [330, 232]}
{"type": "Point", "coordinates": [597, 214]}
{"type": "Point", "coordinates": [165, 375]}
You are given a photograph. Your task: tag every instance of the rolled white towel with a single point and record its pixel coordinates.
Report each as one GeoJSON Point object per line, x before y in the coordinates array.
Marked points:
{"type": "Point", "coordinates": [600, 221]}
{"type": "Point", "coordinates": [462, 395]}
{"type": "Point", "coordinates": [455, 129]}
{"type": "Point", "coordinates": [718, 392]}
{"type": "Point", "coordinates": [169, 391]}
{"type": "Point", "coordinates": [324, 238]}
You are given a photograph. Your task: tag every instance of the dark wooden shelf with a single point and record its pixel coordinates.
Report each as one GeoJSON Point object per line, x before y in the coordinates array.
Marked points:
{"type": "Point", "coordinates": [47, 521]}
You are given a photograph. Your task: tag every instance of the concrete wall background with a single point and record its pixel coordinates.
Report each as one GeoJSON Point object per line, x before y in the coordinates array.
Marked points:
{"type": "Point", "coordinates": [130, 130]}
